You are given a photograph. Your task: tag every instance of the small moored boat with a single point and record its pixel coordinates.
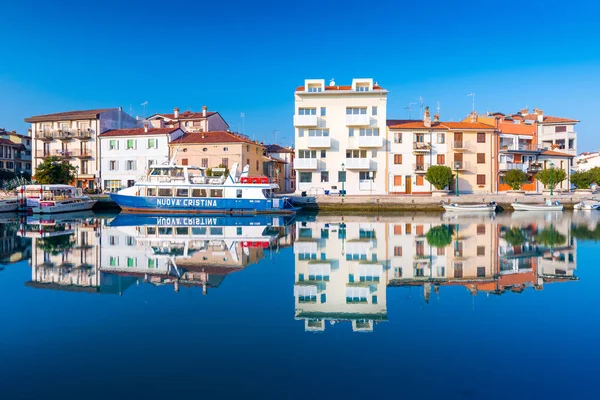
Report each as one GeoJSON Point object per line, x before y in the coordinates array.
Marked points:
{"type": "Point", "coordinates": [47, 199]}
{"type": "Point", "coordinates": [9, 205]}
{"type": "Point", "coordinates": [587, 205]}
{"type": "Point", "coordinates": [548, 206]}
{"type": "Point", "coordinates": [470, 208]}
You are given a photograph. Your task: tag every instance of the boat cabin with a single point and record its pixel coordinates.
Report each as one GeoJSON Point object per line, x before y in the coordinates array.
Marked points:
{"type": "Point", "coordinates": [49, 192]}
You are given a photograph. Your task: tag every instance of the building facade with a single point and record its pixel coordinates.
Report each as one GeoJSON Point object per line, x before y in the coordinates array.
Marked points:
{"type": "Point", "coordinates": [286, 156]}
{"type": "Point", "coordinates": [554, 133]}
{"type": "Point", "coordinates": [211, 149]}
{"type": "Point", "coordinates": [126, 154]}
{"type": "Point", "coordinates": [340, 137]}
{"type": "Point", "coordinates": [189, 121]}
{"type": "Point", "coordinates": [8, 155]}
{"type": "Point", "coordinates": [22, 162]}
{"type": "Point", "coordinates": [73, 136]}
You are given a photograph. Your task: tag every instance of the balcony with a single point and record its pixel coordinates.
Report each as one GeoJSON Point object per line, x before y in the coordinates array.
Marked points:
{"type": "Point", "coordinates": [420, 168]}
{"type": "Point", "coordinates": [65, 154]}
{"type": "Point", "coordinates": [305, 120]}
{"type": "Point", "coordinates": [459, 145]}
{"type": "Point", "coordinates": [46, 136]}
{"type": "Point", "coordinates": [459, 165]}
{"type": "Point", "coordinates": [358, 120]}
{"type": "Point", "coordinates": [370, 141]}
{"type": "Point", "coordinates": [305, 163]}
{"type": "Point", "coordinates": [507, 166]}
{"type": "Point", "coordinates": [82, 153]}
{"type": "Point", "coordinates": [421, 147]}
{"type": "Point", "coordinates": [358, 163]}
{"type": "Point", "coordinates": [83, 134]}
{"type": "Point", "coordinates": [510, 146]}
{"type": "Point", "coordinates": [318, 142]}
{"type": "Point", "coordinates": [366, 185]}
{"type": "Point", "coordinates": [64, 135]}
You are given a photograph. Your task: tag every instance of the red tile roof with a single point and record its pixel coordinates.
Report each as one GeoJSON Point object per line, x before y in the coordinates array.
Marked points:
{"type": "Point", "coordinates": [338, 87]}
{"type": "Point", "coordinates": [7, 142]}
{"type": "Point", "coordinates": [555, 153]}
{"type": "Point", "coordinates": [187, 115]}
{"type": "Point", "coordinates": [466, 125]}
{"type": "Point", "coordinates": [213, 137]}
{"type": "Point", "coordinates": [549, 118]}
{"type": "Point", "coordinates": [69, 115]}
{"type": "Point", "coordinates": [275, 148]}
{"type": "Point", "coordinates": [138, 132]}
{"type": "Point", "coordinates": [418, 124]}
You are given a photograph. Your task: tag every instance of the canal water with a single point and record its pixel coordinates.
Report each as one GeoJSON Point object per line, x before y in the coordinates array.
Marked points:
{"type": "Point", "coordinates": [320, 306]}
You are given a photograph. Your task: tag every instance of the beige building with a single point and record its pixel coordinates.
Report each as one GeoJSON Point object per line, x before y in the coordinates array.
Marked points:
{"type": "Point", "coordinates": [22, 161]}
{"type": "Point", "coordinates": [211, 149]}
{"type": "Point", "coordinates": [189, 121]}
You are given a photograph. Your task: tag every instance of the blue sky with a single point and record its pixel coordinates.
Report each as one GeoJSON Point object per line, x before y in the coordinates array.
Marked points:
{"type": "Point", "coordinates": [249, 56]}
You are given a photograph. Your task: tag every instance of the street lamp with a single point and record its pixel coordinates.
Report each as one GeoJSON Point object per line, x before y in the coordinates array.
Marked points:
{"type": "Point", "coordinates": [343, 180]}
{"type": "Point", "coordinates": [456, 167]}
{"type": "Point", "coordinates": [551, 168]}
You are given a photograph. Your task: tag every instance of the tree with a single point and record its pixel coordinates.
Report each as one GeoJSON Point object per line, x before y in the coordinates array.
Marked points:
{"type": "Point", "coordinates": [514, 237]}
{"type": "Point", "coordinates": [550, 237]}
{"type": "Point", "coordinates": [582, 179]}
{"type": "Point", "coordinates": [558, 175]}
{"type": "Point", "coordinates": [439, 236]}
{"type": "Point", "coordinates": [582, 232]}
{"type": "Point", "coordinates": [56, 245]}
{"type": "Point", "coordinates": [440, 176]}
{"type": "Point", "coordinates": [515, 178]}
{"type": "Point", "coordinates": [594, 175]}
{"type": "Point", "coordinates": [55, 171]}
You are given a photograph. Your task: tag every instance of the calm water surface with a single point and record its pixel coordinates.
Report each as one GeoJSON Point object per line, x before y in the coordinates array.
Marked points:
{"type": "Point", "coordinates": [407, 306]}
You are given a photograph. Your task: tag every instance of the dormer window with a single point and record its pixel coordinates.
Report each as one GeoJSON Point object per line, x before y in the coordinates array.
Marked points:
{"type": "Point", "coordinates": [362, 87]}
{"type": "Point", "coordinates": [314, 88]}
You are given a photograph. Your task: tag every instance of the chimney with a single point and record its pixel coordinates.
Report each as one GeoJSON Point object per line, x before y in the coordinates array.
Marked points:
{"type": "Point", "coordinates": [539, 113]}
{"type": "Point", "coordinates": [524, 111]}
{"type": "Point", "coordinates": [204, 108]}
{"type": "Point", "coordinates": [427, 118]}
{"type": "Point", "coordinates": [176, 113]}
{"type": "Point", "coordinates": [146, 127]}
{"type": "Point", "coordinates": [436, 118]}
{"type": "Point", "coordinates": [473, 116]}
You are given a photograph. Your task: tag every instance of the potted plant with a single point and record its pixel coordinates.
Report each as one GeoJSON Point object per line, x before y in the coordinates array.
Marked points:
{"type": "Point", "coordinates": [515, 178]}
{"type": "Point", "coordinates": [440, 176]}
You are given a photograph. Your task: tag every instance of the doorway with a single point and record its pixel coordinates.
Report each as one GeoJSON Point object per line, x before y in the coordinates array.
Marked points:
{"type": "Point", "coordinates": [408, 182]}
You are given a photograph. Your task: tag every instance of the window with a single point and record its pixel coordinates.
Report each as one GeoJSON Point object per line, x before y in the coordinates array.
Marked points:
{"type": "Point", "coordinates": [441, 159]}
{"type": "Point", "coordinates": [113, 261]}
{"type": "Point", "coordinates": [152, 144]}
{"type": "Point", "coordinates": [323, 153]}
{"type": "Point", "coordinates": [131, 143]}
{"type": "Point", "coordinates": [216, 192]}
{"type": "Point", "coordinates": [481, 229]}
{"type": "Point", "coordinates": [351, 132]}
{"type": "Point", "coordinates": [480, 137]}
{"type": "Point", "coordinates": [366, 175]}
{"type": "Point", "coordinates": [257, 164]}
{"type": "Point", "coordinates": [130, 165]}
{"type": "Point", "coordinates": [198, 192]}
{"type": "Point", "coordinates": [362, 88]}
{"type": "Point", "coordinates": [480, 158]}
{"type": "Point", "coordinates": [152, 263]}
{"type": "Point", "coordinates": [441, 138]}
{"type": "Point", "coordinates": [481, 250]}
{"type": "Point", "coordinates": [113, 240]}
{"type": "Point", "coordinates": [374, 110]}
{"type": "Point", "coordinates": [9, 165]}
{"type": "Point", "coordinates": [150, 163]}
{"type": "Point", "coordinates": [165, 192]}
{"type": "Point", "coordinates": [314, 89]}
{"type": "Point", "coordinates": [300, 132]}
{"type": "Point", "coordinates": [205, 163]}
{"type": "Point", "coordinates": [481, 179]}
{"type": "Point", "coordinates": [318, 132]}
{"type": "Point", "coordinates": [324, 176]}
{"type": "Point", "coordinates": [323, 111]}
{"type": "Point", "coordinates": [307, 111]}
{"type": "Point", "coordinates": [151, 191]}
{"type": "Point", "coordinates": [307, 154]}
{"type": "Point", "coordinates": [397, 158]}
{"type": "Point", "coordinates": [420, 180]}
{"type": "Point", "coordinates": [131, 262]}
{"type": "Point", "coordinates": [341, 176]}
{"type": "Point", "coordinates": [83, 169]}
{"type": "Point", "coordinates": [369, 132]}
{"type": "Point", "coordinates": [305, 177]}
{"type": "Point", "coordinates": [397, 180]}
{"type": "Point", "coordinates": [458, 270]}
{"type": "Point", "coordinates": [397, 251]}
{"type": "Point", "coordinates": [397, 229]}
{"type": "Point", "coordinates": [441, 251]}
{"type": "Point", "coordinates": [225, 162]}
{"type": "Point", "coordinates": [356, 110]}
{"type": "Point", "coordinates": [247, 161]}
{"type": "Point", "coordinates": [398, 137]}
{"type": "Point", "coordinates": [560, 128]}
{"type": "Point", "coordinates": [113, 165]}
{"type": "Point", "coordinates": [182, 192]}
{"type": "Point", "coordinates": [238, 193]}
{"type": "Point", "coordinates": [398, 272]}
{"type": "Point", "coordinates": [356, 154]}
{"type": "Point", "coordinates": [184, 161]}
{"type": "Point", "coordinates": [480, 272]}
{"type": "Point", "coordinates": [113, 145]}
{"type": "Point", "coordinates": [225, 148]}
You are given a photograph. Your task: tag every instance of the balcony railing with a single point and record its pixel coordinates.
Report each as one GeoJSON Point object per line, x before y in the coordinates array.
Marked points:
{"type": "Point", "coordinates": [83, 134]}
{"type": "Point", "coordinates": [370, 141]}
{"type": "Point", "coordinates": [81, 153]}
{"type": "Point", "coordinates": [54, 153]}
{"type": "Point", "coordinates": [319, 142]}
{"type": "Point", "coordinates": [46, 136]}
{"type": "Point", "coordinates": [421, 147]}
{"type": "Point", "coordinates": [358, 120]}
{"type": "Point", "coordinates": [358, 163]}
{"type": "Point", "coordinates": [420, 167]}
{"type": "Point", "coordinates": [506, 166]}
{"type": "Point", "coordinates": [305, 163]}
{"type": "Point", "coordinates": [520, 147]}
{"type": "Point", "coordinates": [459, 145]}
{"type": "Point", "coordinates": [366, 185]}
{"type": "Point", "coordinates": [305, 120]}
{"type": "Point", "coordinates": [64, 135]}
{"type": "Point", "coordinates": [460, 165]}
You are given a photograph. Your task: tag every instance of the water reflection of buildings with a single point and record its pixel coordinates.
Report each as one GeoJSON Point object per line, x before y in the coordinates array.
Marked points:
{"type": "Point", "coordinates": [13, 247]}
{"type": "Point", "coordinates": [343, 265]}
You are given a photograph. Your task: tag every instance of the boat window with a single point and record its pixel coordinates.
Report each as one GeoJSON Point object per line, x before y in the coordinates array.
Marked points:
{"type": "Point", "coordinates": [267, 193]}
{"type": "Point", "coordinates": [165, 192]}
{"type": "Point", "coordinates": [151, 230]}
{"type": "Point", "coordinates": [177, 172]}
{"type": "Point", "coordinates": [238, 193]}
{"type": "Point", "coordinates": [198, 192]}
{"type": "Point", "coordinates": [151, 191]}
{"type": "Point", "coordinates": [182, 192]}
{"type": "Point", "coordinates": [164, 230]}
{"type": "Point", "coordinates": [198, 231]}
{"type": "Point", "coordinates": [182, 230]}
{"type": "Point", "coordinates": [216, 231]}
{"type": "Point", "coordinates": [216, 192]}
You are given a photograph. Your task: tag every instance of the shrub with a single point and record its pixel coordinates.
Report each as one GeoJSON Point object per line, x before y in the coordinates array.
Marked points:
{"type": "Point", "coordinates": [594, 175]}
{"type": "Point", "coordinates": [440, 176]}
{"type": "Point", "coordinates": [581, 180]}
{"type": "Point", "coordinates": [558, 175]}
{"type": "Point", "coordinates": [515, 178]}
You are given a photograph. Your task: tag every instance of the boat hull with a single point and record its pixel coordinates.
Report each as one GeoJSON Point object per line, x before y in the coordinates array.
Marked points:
{"type": "Point", "coordinates": [536, 207]}
{"type": "Point", "coordinates": [194, 205]}
{"type": "Point", "coordinates": [467, 209]}
{"type": "Point", "coordinates": [63, 208]}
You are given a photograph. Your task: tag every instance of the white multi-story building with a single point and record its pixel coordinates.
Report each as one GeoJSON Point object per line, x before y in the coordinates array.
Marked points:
{"type": "Point", "coordinates": [554, 133]}
{"type": "Point", "coordinates": [128, 153]}
{"type": "Point", "coordinates": [340, 136]}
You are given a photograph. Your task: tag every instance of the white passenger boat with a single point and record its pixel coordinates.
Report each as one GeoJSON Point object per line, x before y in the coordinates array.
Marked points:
{"type": "Point", "coordinates": [548, 206]}
{"type": "Point", "coordinates": [9, 205]}
{"type": "Point", "coordinates": [471, 208]}
{"type": "Point", "coordinates": [46, 199]}
{"type": "Point", "coordinates": [186, 189]}
{"type": "Point", "coordinates": [587, 205]}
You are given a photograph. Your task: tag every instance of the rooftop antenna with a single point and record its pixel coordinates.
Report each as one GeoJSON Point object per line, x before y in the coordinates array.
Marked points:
{"type": "Point", "coordinates": [472, 95]}
{"type": "Point", "coordinates": [438, 107]}
{"type": "Point", "coordinates": [421, 106]}
{"type": "Point", "coordinates": [130, 110]}
{"type": "Point", "coordinates": [243, 116]}
{"type": "Point", "coordinates": [144, 104]}
{"type": "Point", "coordinates": [409, 109]}
{"type": "Point", "coordinates": [275, 134]}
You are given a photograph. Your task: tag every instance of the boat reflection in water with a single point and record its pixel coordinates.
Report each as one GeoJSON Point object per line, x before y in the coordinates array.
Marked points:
{"type": "Point", "coordinates": [188, 251]}
{"type": "Point", "coordinates": [345, 264]}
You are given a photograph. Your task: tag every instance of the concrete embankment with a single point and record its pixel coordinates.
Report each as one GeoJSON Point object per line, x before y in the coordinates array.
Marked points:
{"type": "Point", "coordinates": [428, 203]}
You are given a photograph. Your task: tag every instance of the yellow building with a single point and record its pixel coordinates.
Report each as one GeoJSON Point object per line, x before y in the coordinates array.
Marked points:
{"type": "Point", "coordinates": [211, 149]}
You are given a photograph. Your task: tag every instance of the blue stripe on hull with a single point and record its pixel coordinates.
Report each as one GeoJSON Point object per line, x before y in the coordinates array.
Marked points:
{"type": "Point", "coordinates": [197, 205]}
{"type": "Point", "coordinates": [199, 221]}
